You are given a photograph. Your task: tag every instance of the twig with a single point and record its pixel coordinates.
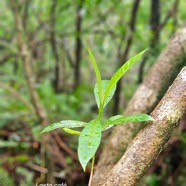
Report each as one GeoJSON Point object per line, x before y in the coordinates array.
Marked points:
{"type": "Point", "coordinates": [60, 159]}
{"type": "Point", "coordinates": [5, 58]}
{"type": "Point", "coordinates": [156, 29]}
{"type": "Point", "coordinates": [43, 170]}
{"type": "Point", "coordinates": [18, 96]}
{"type": "Point", "coordinates": [169, 14]}
{"type": "Point", "coordinates": [58, 80]}
{"type": "Point", "coordinates": [78, 47]}
{"type": "Point", "coordinates": [123, 57]}
{"type": "Point", "coordinates": [64, 146]}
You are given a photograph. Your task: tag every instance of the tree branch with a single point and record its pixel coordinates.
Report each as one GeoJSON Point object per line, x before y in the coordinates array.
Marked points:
{"type": "Point", "coordinates": [58, 75]}
{"type": "Point", "coordinates": [144, 100]}
{"type": "Point", "coordinates": [150, 141]}
{"type": "Point", "coordinates": [155, 34]}
{"type": "Point", "coordinates": [78, 47]}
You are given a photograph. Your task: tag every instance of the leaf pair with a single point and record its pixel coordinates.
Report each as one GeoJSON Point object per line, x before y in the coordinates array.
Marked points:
{"type": "Point", "coordinates": [90, 137]}
{"type": "Point", "coordinates": [104, 85]}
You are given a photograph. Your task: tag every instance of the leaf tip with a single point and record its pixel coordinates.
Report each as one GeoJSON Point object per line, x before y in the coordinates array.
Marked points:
{"type": "Point", "coordinates": [84, 168]}
{"type": "Point", "coordinates": [144, 51]}
{"type": "Point", "coordinates": [151, 118]}
{"type": "Point", "coordinates": [82, 162]}
{"type": "Point", "coordinates": [43, 131]}
{"type": "Point", "coordinates": [89, 51]}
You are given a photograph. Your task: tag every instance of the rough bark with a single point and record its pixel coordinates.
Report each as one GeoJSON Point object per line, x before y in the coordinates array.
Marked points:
{"type": "Point", "coordinates": [144, 100]}
{"type": "Point", "coordinates": [150, 141]}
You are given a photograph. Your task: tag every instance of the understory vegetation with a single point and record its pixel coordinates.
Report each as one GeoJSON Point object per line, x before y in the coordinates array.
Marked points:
{"type": "Point", "coordinates": [46, 76]}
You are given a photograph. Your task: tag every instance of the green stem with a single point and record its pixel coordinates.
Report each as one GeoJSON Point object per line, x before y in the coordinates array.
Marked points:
{"type": "Point", "coordinates": [100, 112]}
{"type": "Point", "coordinates": [91, 173]}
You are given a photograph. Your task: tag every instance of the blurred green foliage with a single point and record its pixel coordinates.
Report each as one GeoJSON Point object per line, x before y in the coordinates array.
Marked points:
{"type": "Point", "coordinates": [104, 24]}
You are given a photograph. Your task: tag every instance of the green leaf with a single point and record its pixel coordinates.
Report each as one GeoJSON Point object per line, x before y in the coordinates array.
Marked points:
{"type": "Point", "coordinates": [70, 131]}
{"type": "Point", "coordinates": [104, 84]}
{"type": "Point", "coordinates": [64, 124]}
{"type": "Point", "coordinates": [96, 69]}
{"type": "Point", "coordinates": [119, 119]}
{"type": "Point", "coordinates": [89, 141]}
{"type": "Point", "coordinates": [122, 70]}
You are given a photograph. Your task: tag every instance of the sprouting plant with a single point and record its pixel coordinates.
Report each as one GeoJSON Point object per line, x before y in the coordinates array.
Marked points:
{"type": "Point", "coordinates": [90, 137]}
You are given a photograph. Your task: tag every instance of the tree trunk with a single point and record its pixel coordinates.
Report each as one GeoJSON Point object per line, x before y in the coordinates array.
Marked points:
{"type": "Point", "coordinates": [155, 35]}
{"type": "Point", "coordinates": [58, 80]}
{"type": "Point", "coordinates": [78, 47]}
{"type": "Point", "coordinates": [150, 141]}
{"type": "Point", "coordinates": [155, 22]}
{"type": "Point", "coordinates": [26, 57]}
{"type": "Point", "coordinates": [144, 100]}
{"type": "Point", "coordinates": [123, 57]}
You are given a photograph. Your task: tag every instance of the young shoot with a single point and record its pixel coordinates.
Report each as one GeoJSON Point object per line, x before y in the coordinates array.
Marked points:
{"type": "Point", "coordinates": [90, 136]}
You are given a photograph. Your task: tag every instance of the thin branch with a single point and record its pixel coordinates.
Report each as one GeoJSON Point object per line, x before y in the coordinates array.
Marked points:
{"type": "Point", "coordinates": [25, 13]}
{"type": "Point", "coordinates": [156, 29]}
{"type": "Point", "coordinates": [18, 96]}
{"type": "Point", "coordinates": [5, 58]}
{"type": "Point", "coordinates": [155, 22]}
{"type": "Point", "coordinates": [170, 13]}
{"type": "Point", "coordinates": [64, 146]}
{"type": "Point", "coordinates": [123, 57]}
{"type": "Point", "coordinates": [155, 34]}
{"type": "Point", "coordinates": [175, 16]}
{"type": "Point", "coordinates": [78, 44]}
{"type": "Point", "coordinates": [8, 44]}
{"type": "Point", "coordinates": [67, 52]}
{"type": "Point", "coordinates": [43, 170]}
{"type": "Point", "coordinates": [57, 80]}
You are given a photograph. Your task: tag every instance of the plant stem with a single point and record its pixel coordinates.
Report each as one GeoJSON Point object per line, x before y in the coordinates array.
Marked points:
{"type": "Point", "coordinates": [92, 169]}
{"type": "Point", "coordinates": [100, 111]}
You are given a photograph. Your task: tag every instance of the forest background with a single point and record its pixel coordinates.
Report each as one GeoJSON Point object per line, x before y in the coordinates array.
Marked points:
{"type": "Point", "coordinates": [46, 76]}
